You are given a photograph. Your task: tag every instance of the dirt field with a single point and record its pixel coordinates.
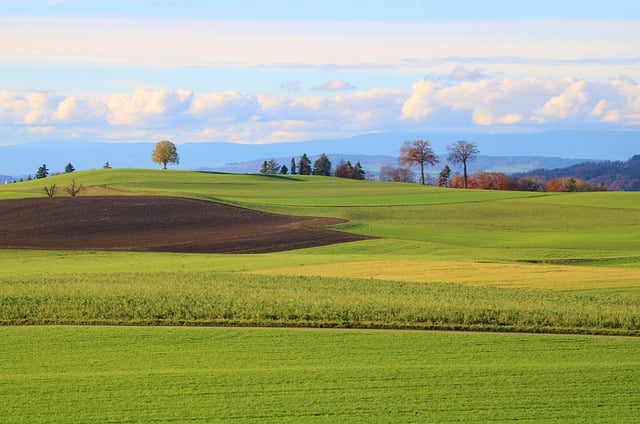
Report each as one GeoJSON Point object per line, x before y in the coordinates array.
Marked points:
{"type": "Point", "coordinates": [161, 224]}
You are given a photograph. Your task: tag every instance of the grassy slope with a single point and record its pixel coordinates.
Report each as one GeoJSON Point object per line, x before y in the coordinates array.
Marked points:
{"type": "Point", "coordinates": [573, 271]}
{"type": "Point", "coordinates": [96, 375]}
{"type": "Point", "coordinates": [584, 243]}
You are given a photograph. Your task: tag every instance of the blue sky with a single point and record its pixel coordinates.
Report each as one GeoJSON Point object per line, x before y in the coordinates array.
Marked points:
{"type": "Point", "coordinates": [273, 71]}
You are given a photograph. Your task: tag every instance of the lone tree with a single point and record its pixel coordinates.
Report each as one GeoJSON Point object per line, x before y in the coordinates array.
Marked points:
{"type": "Point", "coordinates": [463, 152]}
{"type": "Point", "coordinates": [42, 172]}
{"type": "Point", "coordinates": [417, 152]}
{"type": "Point", "coordinates": [322, 166]}
{"type": "Point", "coordinates": [304, 166]}
{"type": "Point", "coordinates": [69, 168]}
{"type": "Point", "coordinates": [164, 153]}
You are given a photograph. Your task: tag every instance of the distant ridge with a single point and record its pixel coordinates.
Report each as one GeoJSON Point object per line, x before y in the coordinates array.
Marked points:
{"type": "Point", "coordinates": [24, 159]}
{"type": "Point", "coordinates": [616, 175]}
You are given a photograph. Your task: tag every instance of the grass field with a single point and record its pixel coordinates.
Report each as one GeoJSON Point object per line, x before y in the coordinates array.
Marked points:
{"type": "Point", "coordinates": [503, 261]}
{"type": "Point", "coordinates": [126, 375]}
{"type": "Point", "coordinates": [443, 259]}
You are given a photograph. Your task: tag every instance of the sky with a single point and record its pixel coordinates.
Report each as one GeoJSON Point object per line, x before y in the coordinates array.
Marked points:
{"type": "Point", "coordinates": [252, 71]}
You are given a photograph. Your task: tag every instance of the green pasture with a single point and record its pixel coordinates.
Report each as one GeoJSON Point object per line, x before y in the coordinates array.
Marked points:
{"type": "Point", "coordinates": [127, 375]}
{"type": "Point", "coordinates": [442, 258]}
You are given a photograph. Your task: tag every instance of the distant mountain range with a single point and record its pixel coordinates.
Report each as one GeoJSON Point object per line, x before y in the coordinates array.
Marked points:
{"type": "Point", "coordinates": [500, 152]}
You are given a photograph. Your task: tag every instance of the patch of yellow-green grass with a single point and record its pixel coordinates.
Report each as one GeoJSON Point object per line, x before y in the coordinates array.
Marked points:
{"type": "Point", "coordinates": [513, 275]}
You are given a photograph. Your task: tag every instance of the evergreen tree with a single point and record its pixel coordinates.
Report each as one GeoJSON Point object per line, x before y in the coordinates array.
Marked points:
{"type": "Point", "coordinates": [322, 166]}
{"type": "Point", "coordinates": [270, 167]}
{"type": "Point", "coordinates": [284, 170]}
{"type": "Point", "coordinates": [445, 175]}
{"type": "Point", "coordinates": [293, 166]}
{"type": "Point", "coordinates": [304, 166]}
{"type": "Point", "coordinates": [69, 168]}
{"type": "Point", "coordinates": [42, 172]}
{"type": "Point", "coordinates": [358, 172]}
{"type": "Point", "coordinates": [106, 165]}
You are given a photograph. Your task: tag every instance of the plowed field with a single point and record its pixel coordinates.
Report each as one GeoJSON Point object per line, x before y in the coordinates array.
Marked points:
{"type": "Point", "coordinates": [162, 224]}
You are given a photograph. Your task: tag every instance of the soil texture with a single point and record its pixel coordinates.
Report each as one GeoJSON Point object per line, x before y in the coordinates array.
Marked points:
{"type": "Point", "coordinates": [160, 224]}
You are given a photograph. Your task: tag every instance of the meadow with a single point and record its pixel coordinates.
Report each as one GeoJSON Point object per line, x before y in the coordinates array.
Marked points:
{"type": "Point", "coordinates": [441, 259]}
{"type": "Point", "coordinates": [160, 374]}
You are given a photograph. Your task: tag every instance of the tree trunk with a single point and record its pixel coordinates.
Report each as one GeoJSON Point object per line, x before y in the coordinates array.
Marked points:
{"type": "Point", "coordinates": [464, 166]}
{"type": "Point", "coordinates": [422, 173]}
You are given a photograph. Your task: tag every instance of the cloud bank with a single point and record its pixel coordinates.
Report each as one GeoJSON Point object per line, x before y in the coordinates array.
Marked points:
{"type": "Point", "coordinates": [147, 114]}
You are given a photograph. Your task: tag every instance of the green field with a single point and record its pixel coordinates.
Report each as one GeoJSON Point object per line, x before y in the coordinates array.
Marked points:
{"type": "Point", "coordinates": [443, 259]}
{"type": "Point", "coordinates": [127, 375]}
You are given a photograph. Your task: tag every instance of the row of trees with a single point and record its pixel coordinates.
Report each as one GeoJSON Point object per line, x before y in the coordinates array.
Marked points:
{"type": "Point", "coordinates": [43, 171]}
{"type": "Point", "coordinates": [501, 181]}
{"type": "Point", "coordinates": [322, 166]}
{"type": "Point", "coordinates": [419, 152]}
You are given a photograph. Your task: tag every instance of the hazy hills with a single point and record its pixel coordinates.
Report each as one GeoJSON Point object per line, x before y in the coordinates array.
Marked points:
{"type": "Point", "coordinates": [500, 152]}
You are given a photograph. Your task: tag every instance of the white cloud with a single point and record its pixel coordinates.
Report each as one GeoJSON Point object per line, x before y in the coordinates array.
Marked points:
{"type": "Point", "coordinates": [335, 85]}
{"type": "Point", "coordinates": [527, 101]}
{"type": "Point", "coordinates": [226, 106]}
{"type": "Point", "coordinates": [567, 104]}
{"type": "Point", "coordinates": [421, 103]}
{"type": "Point", "coordinates": [145, 105]}
{"type": "Point", "coordinates": [461, 73]}
{"type": "Point", "coordinates": [183, 115]}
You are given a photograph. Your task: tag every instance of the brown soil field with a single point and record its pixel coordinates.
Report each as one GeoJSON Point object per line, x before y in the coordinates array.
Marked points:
{"type": "Point", "coordinates": [160, 224]}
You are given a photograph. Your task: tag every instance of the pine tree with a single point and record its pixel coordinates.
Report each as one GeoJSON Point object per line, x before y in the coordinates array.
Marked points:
{"type": "Point", "coordinates": [69, 168]}
{"type": "Point", "coordinates": [358, 172]}
{"type": "Point", "coordinates": [304, 166]}
{"type": "Point", "coordinates": [322, 166]}
{"type": "Point", "coordinates": [42, 172]}
{"type": "Point", "coordinates": [443, 178]}
{"type": "Point", "coordinates": [293, 166]}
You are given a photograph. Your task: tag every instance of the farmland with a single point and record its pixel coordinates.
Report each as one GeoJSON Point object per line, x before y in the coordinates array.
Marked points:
{"type": "Point", "coordinates": [107, 374]}
{"type": "Point", "coordinates": [435, 259]}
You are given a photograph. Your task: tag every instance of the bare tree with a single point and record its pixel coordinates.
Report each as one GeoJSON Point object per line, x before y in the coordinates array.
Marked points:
{"type": "Point", "coordinates": [74, 188]}
{"type": "Point", "coordinates": [397, 174]}
{"type": "Point", "coordinates": [417, 152]}
{"type": "Point", "coordinates": [51, 190]}
{"type": "Point", "coordinates": [463, 152]}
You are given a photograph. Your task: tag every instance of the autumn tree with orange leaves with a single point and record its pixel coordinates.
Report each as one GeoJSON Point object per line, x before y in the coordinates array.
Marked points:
{"type": "Point", "coordinates": [417, 152]}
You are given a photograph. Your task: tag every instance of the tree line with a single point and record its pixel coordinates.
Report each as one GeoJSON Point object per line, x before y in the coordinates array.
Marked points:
{"type": "Point", "coordinates": [615, 175]}
{"type": "Point", "coordinates": [321, 166]}
{"type": "Point", "coordinates": [419, 153]}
